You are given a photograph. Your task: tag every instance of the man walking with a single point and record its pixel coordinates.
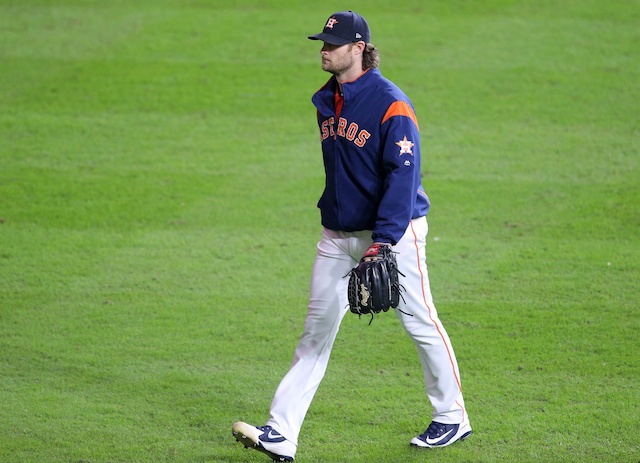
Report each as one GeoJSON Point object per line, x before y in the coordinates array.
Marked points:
{"type": "Point", "coordinates": [373, 196]}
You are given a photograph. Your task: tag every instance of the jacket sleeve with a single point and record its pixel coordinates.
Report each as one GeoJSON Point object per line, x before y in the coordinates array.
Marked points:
{"type": "Point", "coordinates": [400, 164]}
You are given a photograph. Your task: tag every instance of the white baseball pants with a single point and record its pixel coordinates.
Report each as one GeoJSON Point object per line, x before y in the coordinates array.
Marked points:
{"type": "Point", "coordinates": [338, 252]}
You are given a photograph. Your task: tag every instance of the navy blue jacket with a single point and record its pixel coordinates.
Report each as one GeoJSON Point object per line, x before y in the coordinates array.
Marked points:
{"type": "Point", "coordinates": [371, 154]}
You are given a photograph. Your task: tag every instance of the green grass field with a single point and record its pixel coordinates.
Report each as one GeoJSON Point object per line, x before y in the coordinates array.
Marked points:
{"type": "Point", "coordinates": [159, 172]}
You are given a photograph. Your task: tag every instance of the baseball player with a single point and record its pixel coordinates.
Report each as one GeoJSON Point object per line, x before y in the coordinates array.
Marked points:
{"type": "Point", "coordinates": [373, 196]}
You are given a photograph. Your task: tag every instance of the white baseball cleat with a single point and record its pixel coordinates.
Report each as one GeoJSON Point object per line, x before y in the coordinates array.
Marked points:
{"type": "Point", "coordinates": [264, 439]}
{"type": "Point", "coordinates": [441, 435]}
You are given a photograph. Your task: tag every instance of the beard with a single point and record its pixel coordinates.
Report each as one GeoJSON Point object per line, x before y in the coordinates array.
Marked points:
{"type": "Point", "coordinates": [339, 66]}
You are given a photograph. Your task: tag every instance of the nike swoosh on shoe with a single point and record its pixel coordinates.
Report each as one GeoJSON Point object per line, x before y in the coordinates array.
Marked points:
{"type": "Point", "coordinates": [444, 438]}
{"type": "Point", "coordinates": [272, 436]}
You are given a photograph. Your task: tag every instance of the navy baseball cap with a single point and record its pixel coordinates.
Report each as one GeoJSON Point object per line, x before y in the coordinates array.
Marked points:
{"type": "Point", "coordinates": [343, 28]}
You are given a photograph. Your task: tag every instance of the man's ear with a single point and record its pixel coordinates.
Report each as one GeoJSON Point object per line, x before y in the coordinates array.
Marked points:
{"type": "Point", "coordinates": [359, 47]}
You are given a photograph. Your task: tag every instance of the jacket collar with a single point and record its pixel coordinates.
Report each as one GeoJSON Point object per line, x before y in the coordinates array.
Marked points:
{"type": "Point", "coordinates": [323, 99]}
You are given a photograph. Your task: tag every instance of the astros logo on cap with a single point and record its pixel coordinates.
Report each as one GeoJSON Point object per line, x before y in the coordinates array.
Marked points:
{"type": "Point", "coordinates": [331, 22]}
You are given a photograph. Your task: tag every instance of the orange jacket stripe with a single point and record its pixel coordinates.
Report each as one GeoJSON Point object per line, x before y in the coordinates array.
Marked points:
{"type": "Point", "coordinates": [400, 108]}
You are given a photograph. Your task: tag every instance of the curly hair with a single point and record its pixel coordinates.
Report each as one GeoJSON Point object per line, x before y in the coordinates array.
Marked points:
{"type": "Point", "coordinates": [370, 57]}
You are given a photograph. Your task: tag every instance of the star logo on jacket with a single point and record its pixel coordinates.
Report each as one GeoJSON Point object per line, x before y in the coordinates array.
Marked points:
{"type": "Point", "coordinates": [405, 146]}
{"type": "Point", "coordinates": [331, 22]}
